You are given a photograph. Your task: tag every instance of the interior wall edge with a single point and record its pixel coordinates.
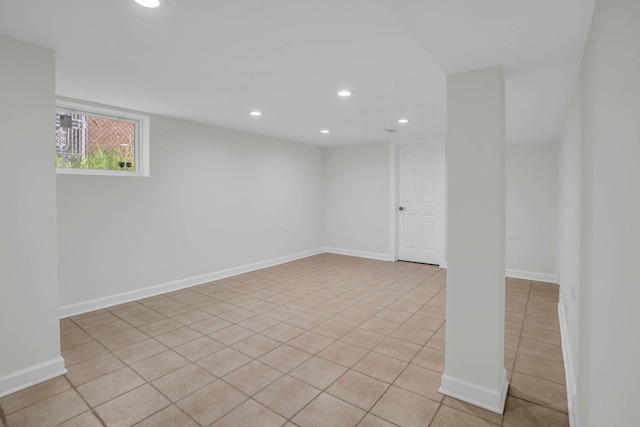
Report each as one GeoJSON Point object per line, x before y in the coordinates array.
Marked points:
{"type": "Point", "coordinates": [359, 254]}
{"type": "Point", "coordinates": [31, 376]}
{"type": "Point", "coordinates": [483, 397]}
{"type": "Point", "coordinates": [532, 275]}
{"type": "Point", "coordinates": [569, 369]}
{"type": "Point", "coordinates": [121, 298]}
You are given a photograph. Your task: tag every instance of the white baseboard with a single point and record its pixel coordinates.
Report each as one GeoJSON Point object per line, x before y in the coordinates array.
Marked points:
{"type": "Point", "coordinates": [492, 400]}
{"type": "Point", "coordinates": [530, 275]}
{"type": "Point", "coordinates": [109, 301]}
{"type": "Point", "coordinates": [31, 376]}
{"type": "Point", "coordinates": [359, 254]}
{"type": "Point", "coordinates": [443, 264]}
{"type": "Point", "coordinates": [569, 371]}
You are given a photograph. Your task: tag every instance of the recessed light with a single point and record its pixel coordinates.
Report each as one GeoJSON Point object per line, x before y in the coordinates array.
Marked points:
{"type": "Point", "coordinates": [255, 113]}
{"type": "Point", "coordinates": [148, 3]}
{"type": "Point", "coordinates": [345, 93]}
{"type": "Point", "coordinates": [325, 131]}
{"type": "Point", "coordinates": [403, 121]}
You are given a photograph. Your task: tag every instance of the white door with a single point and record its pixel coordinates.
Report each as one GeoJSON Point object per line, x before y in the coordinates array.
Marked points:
{"type": "Point", "coordinates": [417, 204]}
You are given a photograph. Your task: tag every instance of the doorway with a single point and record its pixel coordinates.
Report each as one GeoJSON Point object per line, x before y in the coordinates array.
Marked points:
{"type": "Point", "coordinates": [419, 203]}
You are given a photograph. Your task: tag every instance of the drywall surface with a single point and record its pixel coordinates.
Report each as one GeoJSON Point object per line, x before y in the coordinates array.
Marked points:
{"type": "Point", "coordinates": [569, 233]}
{"type": "Point", "coordinates": [240, 199]}
{"type": "Point", "coordinates": [532, 208]}
{"type": "Point", "coordinates": [599, 234]}
{"type": "Point", "coordinates": [29, 328]}
{"type": "Point", "coordinates": [357, 197]}
{"type": "Point", "coordinates": [608, 379]}
{"type": "Point", "coordinates": [475, 157]}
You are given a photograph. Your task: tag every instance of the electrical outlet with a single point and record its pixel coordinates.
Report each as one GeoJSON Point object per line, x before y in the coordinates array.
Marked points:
{"type": "Point", "coordinates": [512, 237]}
{"type": "Point", "coordinates": [186, 241]}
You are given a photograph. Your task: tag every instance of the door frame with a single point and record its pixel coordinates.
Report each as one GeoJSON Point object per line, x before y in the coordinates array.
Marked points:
{"type": "Point", "coordinates": [441, 233]}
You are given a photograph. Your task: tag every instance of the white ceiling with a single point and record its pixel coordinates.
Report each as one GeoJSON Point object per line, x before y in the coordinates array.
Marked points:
{"type": "Point", "coordinates": [214, 61]}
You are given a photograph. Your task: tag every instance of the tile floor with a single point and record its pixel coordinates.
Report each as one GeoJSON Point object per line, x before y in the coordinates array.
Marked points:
{"type": "Point", "coordinates": [325, 341]}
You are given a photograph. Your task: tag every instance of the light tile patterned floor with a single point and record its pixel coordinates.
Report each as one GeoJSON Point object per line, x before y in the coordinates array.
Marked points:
{"type": "Point", "coordinates": [325, 341]}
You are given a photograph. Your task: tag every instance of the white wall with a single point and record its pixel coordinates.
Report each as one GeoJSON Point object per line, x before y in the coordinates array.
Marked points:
{"type": "Point", "coordinates": [532, 210]}
{"type": "Point", "coordinates": [356, 199]}
{"type": "Point", "coordinates": [29, 328]}
{"type": "Point", "coordinates": [608, 101]}
{"type": "Point", "coordinates": [610, 290]}
{"type": "Point", "coordinates": [234, 194]}
{"type": "Point", "coordinates": [569, 235]}
{"type": "Point", "coordinates": [475, 157]}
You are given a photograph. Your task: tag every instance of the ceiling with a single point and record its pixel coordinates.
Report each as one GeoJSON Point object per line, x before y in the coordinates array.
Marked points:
{"type": "Point", "coordinates": [215, 61]}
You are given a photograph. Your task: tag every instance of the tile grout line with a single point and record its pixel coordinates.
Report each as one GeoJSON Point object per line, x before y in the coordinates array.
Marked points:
{"type": "Point", "coordinates": [187, 325]}
{"type": "Point", "coordinates": [408, 363]}
{"type": "Point", "coordinates": [513, 368]}
{"type": "Point", "coordinates": [249, 287]}
{"type": "Point", "coordinates": [171, 402]}
{"type": "Point", "coordinates": [74, 388]}
{"type": "Point", "coordinates": [3, 417]}
{"type": "Point", "coordinates": [127, 365]}
{"type": "Point", "coordinates": [518, 350]}
{"type": "Point", "coordinates": [325, 390]}
{"type": "Point", "coordinates": [367, 412]}
{"type": "Point", "coordinates": [253, 359]}
{"type": "Point", "coordinates": [441, 402]}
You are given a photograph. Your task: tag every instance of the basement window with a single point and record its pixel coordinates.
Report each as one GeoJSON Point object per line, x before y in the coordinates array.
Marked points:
{"type": "Point", "coordinates": [99, 141]}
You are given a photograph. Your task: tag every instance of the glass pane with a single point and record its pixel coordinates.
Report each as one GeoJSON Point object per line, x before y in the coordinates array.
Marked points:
{"type": "Point", "coordinates": [86, 141]}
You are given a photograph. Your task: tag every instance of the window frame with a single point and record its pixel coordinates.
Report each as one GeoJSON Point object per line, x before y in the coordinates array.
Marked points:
{"type": "Point", "coordinates": [141, 145]}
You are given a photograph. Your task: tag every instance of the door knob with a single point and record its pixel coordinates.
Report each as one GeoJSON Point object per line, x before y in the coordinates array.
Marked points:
{"type": "Point", "coordinates": [402, 208]}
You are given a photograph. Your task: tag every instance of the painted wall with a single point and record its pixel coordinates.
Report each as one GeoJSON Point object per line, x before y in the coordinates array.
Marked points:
{"type": "Point", "coordinates": [532, 210]}
{"type": "Point", "coordinates": [29, 328]}
{"type": "Point", "coordinates": [569, 234]}
{"type": "Point", "coordinates": [356, 199]}
{"type": "Point", "coordinates": [241, 199]}
{"type": "Point", "coordinates": [608, 101]}
{"type": "Point", "coordinates": [354, 207]}
{"type": "Point", "coordinates": [611, 207]}
{"type": "Point", "coordinates": [475, 156]}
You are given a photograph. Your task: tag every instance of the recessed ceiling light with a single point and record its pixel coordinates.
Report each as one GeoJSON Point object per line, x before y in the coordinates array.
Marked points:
{"type": "Point", "coordinates": [403, 121]}
{"type": "Point", "coordinates": [345, 93]}
{"type": "Point", "coordinates": [255, 113]}
{"type": "Point", "coordinates": [148, 3]}
{"type": "Point", "coordinates": [325, 131]}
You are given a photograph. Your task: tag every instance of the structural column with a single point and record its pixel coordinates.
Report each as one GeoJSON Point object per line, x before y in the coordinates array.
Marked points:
{"type": "Point", "coordinates": [29, 308]}
{"type": "Point", "coordinates": [475, 153]}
